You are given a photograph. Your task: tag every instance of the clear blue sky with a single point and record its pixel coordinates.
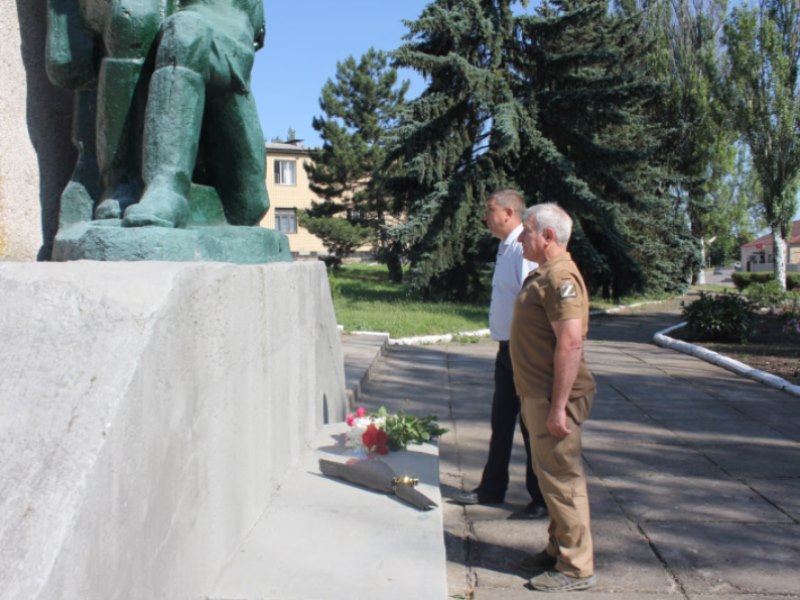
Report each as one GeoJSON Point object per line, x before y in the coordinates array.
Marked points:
{"type": "Point", "coordinates": [305, 40]}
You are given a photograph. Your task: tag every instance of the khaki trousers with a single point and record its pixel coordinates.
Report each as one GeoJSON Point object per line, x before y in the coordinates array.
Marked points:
{"type": "Point", "coordinates": [559, 467]}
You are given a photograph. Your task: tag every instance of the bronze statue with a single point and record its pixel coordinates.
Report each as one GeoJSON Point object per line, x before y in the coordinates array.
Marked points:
{"type": "Point", "coordinates": [162, 101]}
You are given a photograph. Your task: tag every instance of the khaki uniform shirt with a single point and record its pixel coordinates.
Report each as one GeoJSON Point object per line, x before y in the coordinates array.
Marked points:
{"type": "Point", "coordinates": [553, 292]}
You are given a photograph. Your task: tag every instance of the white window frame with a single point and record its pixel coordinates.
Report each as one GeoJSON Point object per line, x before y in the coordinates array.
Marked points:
{"type": "Point", "coordinates": [285, 172]}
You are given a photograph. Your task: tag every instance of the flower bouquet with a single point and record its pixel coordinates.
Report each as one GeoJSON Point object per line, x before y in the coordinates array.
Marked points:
{"type": "Point", "coordinates": [380, 432]}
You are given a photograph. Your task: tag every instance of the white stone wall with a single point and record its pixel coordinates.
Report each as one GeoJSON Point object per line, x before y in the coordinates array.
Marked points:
{"type": "Point", "coordinates": [147, 414]}
{"type": "Point", "coordinates": [36, 155]}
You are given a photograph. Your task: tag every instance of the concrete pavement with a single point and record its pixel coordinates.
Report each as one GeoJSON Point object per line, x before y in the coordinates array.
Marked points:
{"type": "Point", "coordinates": [694, 472]}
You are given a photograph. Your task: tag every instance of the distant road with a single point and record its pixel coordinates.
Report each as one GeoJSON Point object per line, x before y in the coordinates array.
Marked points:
{"type": "Point", "coordinates": [723, 278]}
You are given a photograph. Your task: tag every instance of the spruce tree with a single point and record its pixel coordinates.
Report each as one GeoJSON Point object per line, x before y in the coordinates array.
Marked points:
{"type": "Point", "coordinates": [558, 104]}
{"type": "Point", "coordinates": [456, 143]}
{"type": "Point", "coordinates": [359, 105]}
{"type": "Point", "coordinates": [584, 67]}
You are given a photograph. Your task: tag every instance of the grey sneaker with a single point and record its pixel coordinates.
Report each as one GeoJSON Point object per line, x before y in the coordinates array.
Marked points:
{"type": "Point", "coordinates": [556, 581]}
{"type": "Point", "coordinates": [537, 563]}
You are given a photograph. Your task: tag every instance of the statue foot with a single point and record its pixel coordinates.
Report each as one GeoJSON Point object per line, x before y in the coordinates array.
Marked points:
{"type": "Point", "coordinates": [108, 209]}
{"type": "Point", "coordinates": [159, 208]}
{"type": "Point", "coordinates": [116, 200]}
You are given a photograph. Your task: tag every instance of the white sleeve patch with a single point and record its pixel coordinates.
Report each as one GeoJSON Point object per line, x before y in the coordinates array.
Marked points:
{"type": "Point", "coordinates": [567, 290]}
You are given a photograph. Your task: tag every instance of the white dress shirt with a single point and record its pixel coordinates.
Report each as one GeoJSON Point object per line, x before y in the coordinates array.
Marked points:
{"type": "Point", "coordinates": [510, 271]}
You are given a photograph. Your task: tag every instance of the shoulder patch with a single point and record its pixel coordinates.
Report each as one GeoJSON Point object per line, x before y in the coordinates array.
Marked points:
{"type": "Point", "coordinates": [567, 290]}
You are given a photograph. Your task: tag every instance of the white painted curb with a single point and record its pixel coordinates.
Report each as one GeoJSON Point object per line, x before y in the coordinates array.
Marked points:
{"type": "Point", "coordinates": [422, 340]}
{"type": "Point", "coordinates": [662, 339]}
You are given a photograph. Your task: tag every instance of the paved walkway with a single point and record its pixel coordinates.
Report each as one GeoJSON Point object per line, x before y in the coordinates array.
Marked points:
{"type": "Point", "coordinates": [694, 472]}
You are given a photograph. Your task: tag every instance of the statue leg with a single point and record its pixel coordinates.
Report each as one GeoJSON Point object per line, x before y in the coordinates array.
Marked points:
{"type": "Point", "coordinates": [80, 194]}
{"type": "Point", "coordinates": [172, 131]}
{"type": "Point", "coordinates": [129, 28]}
{"type": "Point", "coordinates": [116, 156]}
{"type": "Point", "coordinates": [173, 120]}
{"type": "Point", "coordinates": [235, 146]}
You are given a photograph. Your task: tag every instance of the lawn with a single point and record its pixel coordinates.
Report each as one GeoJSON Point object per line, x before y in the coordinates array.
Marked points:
{"type": "Point", "coordinates": [366, 300]}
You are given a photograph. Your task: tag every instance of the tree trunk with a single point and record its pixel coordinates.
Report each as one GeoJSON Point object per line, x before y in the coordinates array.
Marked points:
{"type": "Point", "coordinates": [700, 276]}
{"type": "Point", "coordinates": [779, 256]}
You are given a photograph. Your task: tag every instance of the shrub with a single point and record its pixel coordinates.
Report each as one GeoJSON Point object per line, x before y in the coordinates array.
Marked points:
{"type": "Point", "coordinates": [791, 316]}
{"type": "Point", "coordinates": [722, 317]}
{"type": "Point", "coordinates": [743, 280]}
{"type": "Point", "coordinates": [340, 236]}
{"type": "Point", "coordinates": [766, 295]}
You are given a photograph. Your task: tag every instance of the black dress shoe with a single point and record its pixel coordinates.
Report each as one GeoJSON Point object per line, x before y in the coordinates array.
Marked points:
{"type": "Point", "coordinates": [534, 510]}
{"type": "Point", "coordinates": [475, 497]}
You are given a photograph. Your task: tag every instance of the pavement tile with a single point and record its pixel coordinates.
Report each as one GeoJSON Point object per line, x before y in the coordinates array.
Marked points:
{"type": "Point", "coordinates": [677, 412]}
{"type": "Point", "coordinates": [743, 597]}
{"type": "Point", "coordinates": [781, 458]}
{"type": "Point", "coordinates": [717, 558]}
{"type": "Point", "coordinates": [680, 498]}
{"type": "Point", "coordinates": [786, 423]}
{"type": "Point", "coordinates": [630, 426]}
{"type": "Point", "coordinates": [592, 594]}
{"type": "Point", "coordinates": [635, 459]}
{"type": "Point", "coordinates": [782, 493]}
{"type": "Point", "coordinates": [624, 561]}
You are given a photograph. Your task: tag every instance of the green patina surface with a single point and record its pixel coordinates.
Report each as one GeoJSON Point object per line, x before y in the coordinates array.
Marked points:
{"type": "Point", "coordinates": [165, 125]}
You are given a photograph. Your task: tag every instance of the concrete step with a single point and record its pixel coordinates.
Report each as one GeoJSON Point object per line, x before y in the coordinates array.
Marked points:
{"type": "Point", "coordinates": [324, 539]}
{"type": "Point", "coordinates": [361, 353]}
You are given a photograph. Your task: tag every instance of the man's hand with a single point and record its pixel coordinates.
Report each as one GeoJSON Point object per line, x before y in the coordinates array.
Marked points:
{"type": "Point", "coordinates": [557, 423]}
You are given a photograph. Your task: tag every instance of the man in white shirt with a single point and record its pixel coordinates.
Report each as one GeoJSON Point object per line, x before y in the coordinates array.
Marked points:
{"type": "Point", "coordinates": [503, 217]}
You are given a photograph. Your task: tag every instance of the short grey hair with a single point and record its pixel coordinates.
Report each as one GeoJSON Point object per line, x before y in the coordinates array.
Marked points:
{"type": "Point", "coordinates": [553, 216]}
{"type": "Point", "coordinates": [509, 199]}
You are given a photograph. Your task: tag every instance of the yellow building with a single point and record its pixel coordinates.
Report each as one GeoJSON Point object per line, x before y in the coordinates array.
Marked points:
{"type": "Point", "coordinates": [287, 185]}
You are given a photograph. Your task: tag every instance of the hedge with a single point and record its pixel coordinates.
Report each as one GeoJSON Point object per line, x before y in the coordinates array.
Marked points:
{"type": "Point", "coordinates": [742, 280]}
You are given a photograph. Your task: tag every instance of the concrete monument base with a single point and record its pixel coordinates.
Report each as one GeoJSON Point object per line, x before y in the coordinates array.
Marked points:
{"type": "Point", "coordinates": [148, 412]}
{"type": "Point", "coordinates": [107, 241]}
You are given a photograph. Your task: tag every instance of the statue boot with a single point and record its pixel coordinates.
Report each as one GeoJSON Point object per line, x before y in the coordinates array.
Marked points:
{"type": "Point", "coordinates": [118, 124]}
{"type": "Point", "coordinates": [173, 122]}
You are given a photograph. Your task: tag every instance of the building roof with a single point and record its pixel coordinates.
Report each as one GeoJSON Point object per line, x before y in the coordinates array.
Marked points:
{"type": "Point", "coordinates": [766, 240]}
{"type": "Point", "coordinates": [293, 147]}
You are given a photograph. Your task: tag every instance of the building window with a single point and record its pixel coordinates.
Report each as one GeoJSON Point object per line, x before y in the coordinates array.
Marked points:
{"type": "Point", "coordinates": [285, 172]}
{"type": "Point", "coordinates": [286, 220]}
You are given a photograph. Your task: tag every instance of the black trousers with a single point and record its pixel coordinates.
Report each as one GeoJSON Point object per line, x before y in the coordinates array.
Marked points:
{"type": "Point", "coordinates": [505, 414]}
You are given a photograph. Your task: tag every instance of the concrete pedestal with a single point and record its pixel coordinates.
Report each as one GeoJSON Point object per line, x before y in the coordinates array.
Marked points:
{"type": "Point", "coordinates": [148, 412]}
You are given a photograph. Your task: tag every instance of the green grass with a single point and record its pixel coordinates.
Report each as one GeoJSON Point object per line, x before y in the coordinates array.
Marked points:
{"type": "Point", "coordinates": [714, 288]}
{"type": "Point", "coordinates": [600, 304]}
{"type": "Point", "coordinates": [366, 300]}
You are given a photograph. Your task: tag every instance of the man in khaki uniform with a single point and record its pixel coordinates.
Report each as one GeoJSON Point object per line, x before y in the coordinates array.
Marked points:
{"type": "Point", "coordinates": [551, 319]}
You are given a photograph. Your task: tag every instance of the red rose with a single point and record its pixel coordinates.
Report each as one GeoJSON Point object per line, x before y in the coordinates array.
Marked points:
{"type": "Point", "coordinates": [375, 440]}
